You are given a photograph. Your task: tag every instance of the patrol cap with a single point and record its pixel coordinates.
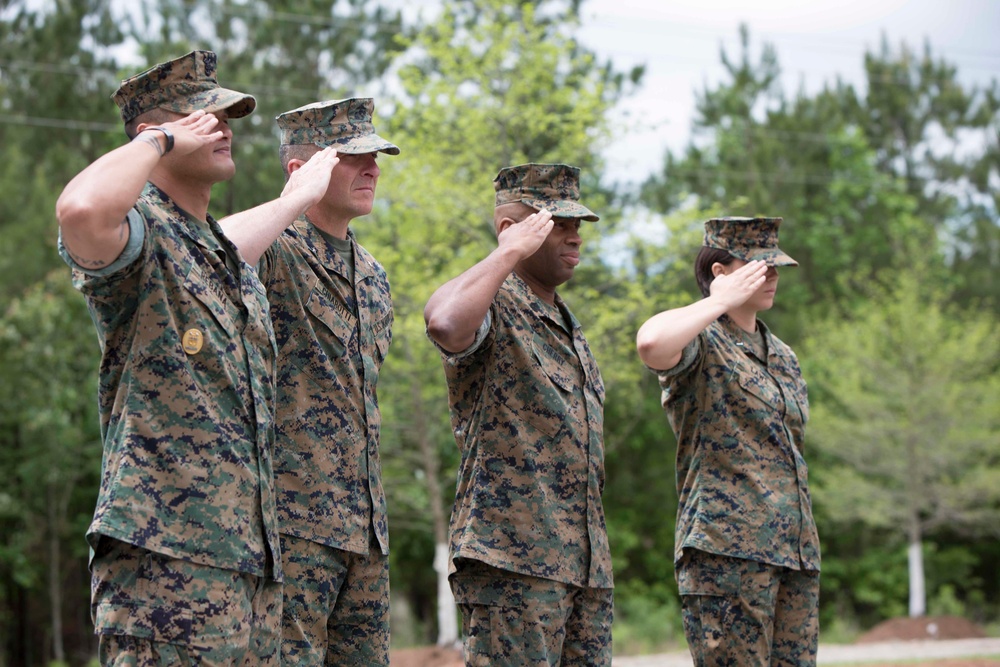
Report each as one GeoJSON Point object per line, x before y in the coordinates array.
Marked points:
{"type": "Point", "coordinates": [344, 124]}
{"type": "Point", "coordinates": [748, 239]}
{"type": "Point", "coordinates": [554, 187]}
{"type": "Point", "coordinates": [184, 85]}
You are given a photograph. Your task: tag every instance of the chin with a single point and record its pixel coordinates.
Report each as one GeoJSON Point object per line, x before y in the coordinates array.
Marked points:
{"type": "Point", "coordinates": [225, 173]}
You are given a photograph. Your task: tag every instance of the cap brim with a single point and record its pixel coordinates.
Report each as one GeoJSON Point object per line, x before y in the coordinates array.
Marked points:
{"type": "Point", "coordinates": [562, 208]}
{"type": "Point", "coordinates": [369, 143]}
{"type": "Point", "coordinates": [771, 257]}
{"type": "Point", "coordinates": [236, 104]}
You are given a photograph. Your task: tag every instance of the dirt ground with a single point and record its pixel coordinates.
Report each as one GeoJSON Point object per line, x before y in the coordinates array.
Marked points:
{"type": "Point", "coordinates": [927, 627]}
{"type": "Point", "coordinates": [893, 630]}
{"type": "Point", "coordinates": [435, 656]}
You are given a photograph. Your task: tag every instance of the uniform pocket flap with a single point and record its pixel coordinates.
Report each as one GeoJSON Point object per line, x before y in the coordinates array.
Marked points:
{"type": "Point", "coordinates": [162, 624]}
{"type": "Point", "coordinates": [700, 579]}
{"type": "Point", "coordinates": [489, 592]}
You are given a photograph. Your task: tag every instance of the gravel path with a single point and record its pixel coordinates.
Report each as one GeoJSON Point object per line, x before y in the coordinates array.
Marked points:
{"type": "Point", "coordinates": [832, 654]}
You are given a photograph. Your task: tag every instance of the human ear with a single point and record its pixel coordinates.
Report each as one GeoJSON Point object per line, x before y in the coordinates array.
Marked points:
{"type": "Point", "coordinates": [718, 269]}
{"type": "Point", "coordinates": [504, 223]}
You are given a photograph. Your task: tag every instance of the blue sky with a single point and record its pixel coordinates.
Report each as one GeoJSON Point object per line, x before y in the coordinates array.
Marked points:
{"type": "Point", "coordinates": [816, 40]}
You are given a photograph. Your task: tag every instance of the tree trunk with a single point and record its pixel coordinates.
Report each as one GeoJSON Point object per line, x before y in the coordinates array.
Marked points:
{"type": "Point", "coordinates": [915, 560]}
{"type": "Point", "coordinates": [446, 609]}
{"type": "Point", "coordinates": [55, 577]}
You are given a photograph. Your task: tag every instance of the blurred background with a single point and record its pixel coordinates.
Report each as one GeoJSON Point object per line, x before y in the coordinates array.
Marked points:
{"type": "Point", "coordinates": [872, 128]}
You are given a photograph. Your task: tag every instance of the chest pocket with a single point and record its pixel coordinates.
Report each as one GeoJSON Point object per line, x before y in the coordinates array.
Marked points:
{"type": "Point", "coordinates": [206, 331]}
{"type": "Point", "coordinates": [757, 384]}
{"type": "Point", "coordinates": [560, 370]}
{"type": "Point", "coordinates": [786, 369]}
{"type": "Point", "coordinates": [333, 328]}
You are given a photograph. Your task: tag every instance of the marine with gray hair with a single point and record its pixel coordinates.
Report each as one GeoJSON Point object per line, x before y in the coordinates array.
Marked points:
{"type": "Point", "coordinates": [332, 313]}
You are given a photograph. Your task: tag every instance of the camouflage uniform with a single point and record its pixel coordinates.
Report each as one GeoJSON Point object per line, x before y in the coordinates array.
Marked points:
{"type": "Point", "coordinates": [184, 537]}
{"type": "Point", "coordinates": [747, 551]}
{"type": "Point", "coordinates": [333, 324]}
{"type": "Point", "coordinates": [531, 566]}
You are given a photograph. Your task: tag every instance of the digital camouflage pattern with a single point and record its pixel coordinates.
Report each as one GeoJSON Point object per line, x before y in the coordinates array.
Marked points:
{"type": "Point", "coordinates": [739, 419]}
{"type": "Point", "coordinates": [186, 395]}
{"type": "Point", "coordinates": [515, 619]}
{"type": "Point", "coordinates": [345, 124]}
{"type": "Point", "coordinates": [183, 85]}
{"type": "Point", "coordinates": [152, 610]}
{"type": "Point", "coordinates": [742, 612]}
{"type": "Point", "coordinates": [747, 239]}
{"type": "Point", "coordinates": [554, 187]}
{"type": "Point", "coordinates": [527, 405]}
{"type": "Point", "coordinates": [332, 339]}
{"type": "Point", "coordinates": [341, 618]}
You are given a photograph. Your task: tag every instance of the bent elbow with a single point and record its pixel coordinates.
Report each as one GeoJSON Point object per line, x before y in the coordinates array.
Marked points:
{"type": "Point", "coordinates": [438, 330]}
{"type": "Point", "coordinates": [73, 212]}
{"type": "Point", "coordinates": [646, 345]}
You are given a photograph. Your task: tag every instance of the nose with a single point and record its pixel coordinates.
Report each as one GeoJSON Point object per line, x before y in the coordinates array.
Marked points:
{"type": "Point", "coordinates": [772, 273]}
{"type": "Point", "coordinates": [371, 166]}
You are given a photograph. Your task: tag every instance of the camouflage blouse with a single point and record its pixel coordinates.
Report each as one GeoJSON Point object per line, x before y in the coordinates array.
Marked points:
{"type": "Point", "coordinates": [186, 394]}
{"type": "Point", "coordinates": [527, 408]}
{"type": "Point", "coordinates": [739, 422]}
{"type": "Point", "coordinates": [332, 338]}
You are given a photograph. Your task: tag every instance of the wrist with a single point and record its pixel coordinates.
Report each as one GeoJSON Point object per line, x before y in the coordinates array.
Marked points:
{"type": "Point", "coordinates": [168, 138]}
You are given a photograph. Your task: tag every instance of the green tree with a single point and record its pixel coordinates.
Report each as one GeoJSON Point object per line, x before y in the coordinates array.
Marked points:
{"type": "Point", "coordinates": [51, 450]}
{"type": "Point", "coordinates": [941, 139]}
{"type": "Point", "coordinates": [828, 165]}
{"type": "Point", "coordinates": [904, 412]}
{"type": "Point", "coordinates": [55, 117]}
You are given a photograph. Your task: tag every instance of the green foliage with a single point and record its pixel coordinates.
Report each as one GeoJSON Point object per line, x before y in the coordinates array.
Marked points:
{"type": "Point", "coordinates": [55, 118]}
{"type": "Point", "coordinates": [907, 410]}
{"type": "Point", "coordinates": [829, 164]}
{"type": "Point", "coordinates": [647, 619]}
{"type": "Point", "coordinates": [49, 446]}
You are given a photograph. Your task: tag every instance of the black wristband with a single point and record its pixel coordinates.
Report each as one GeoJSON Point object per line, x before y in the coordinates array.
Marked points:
{"type": "Point", "coordinates": [167, 134]}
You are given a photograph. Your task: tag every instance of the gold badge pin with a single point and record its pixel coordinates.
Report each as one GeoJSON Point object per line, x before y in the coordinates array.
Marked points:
{"type": "Point", "coordinates": [192, 341]}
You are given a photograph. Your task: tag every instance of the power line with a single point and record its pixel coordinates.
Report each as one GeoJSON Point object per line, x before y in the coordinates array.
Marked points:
{"type": "Point", "coordinates": [60, 123]}
{"type": "Point", "coordinates": [790, 177]}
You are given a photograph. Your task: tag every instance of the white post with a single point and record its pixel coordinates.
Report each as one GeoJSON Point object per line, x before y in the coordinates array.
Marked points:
{"type": "Point", "coordinates": [918, 597]}
{"type": "Point", "coordinates": [447, 623]}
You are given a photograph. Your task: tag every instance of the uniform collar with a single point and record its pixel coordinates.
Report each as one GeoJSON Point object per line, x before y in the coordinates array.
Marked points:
{"type": "Point", "coordinates": [328, 255]}
{"type": "Point", "coordinates": [741, 338]}
{"type": "Point", "coordinates": [558, 314]}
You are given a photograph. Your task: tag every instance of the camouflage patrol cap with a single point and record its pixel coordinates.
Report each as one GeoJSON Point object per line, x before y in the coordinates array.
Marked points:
{"type": "Point", "coordinates": [748, 239]}
{"type": "Point", "coordinates": [184, 85]}
{"type": "Point", "coordinates": [344, 124]}
{"type": "Point", "coordinates": [554, 187]}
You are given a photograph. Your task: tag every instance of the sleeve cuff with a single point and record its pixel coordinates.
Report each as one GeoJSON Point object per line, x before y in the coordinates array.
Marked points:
{"type": "Point", "coordinates": [131, 251]}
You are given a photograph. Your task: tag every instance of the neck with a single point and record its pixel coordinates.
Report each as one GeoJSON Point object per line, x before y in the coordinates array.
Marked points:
{"type": "Point", "coordinates": [193, 197]}
{"type": "Point", "coordinates": [544, 292]}
{"type": "Point", "coordinates": [744, 318]}
{"type": "Point", "coordinates": [332, 225]}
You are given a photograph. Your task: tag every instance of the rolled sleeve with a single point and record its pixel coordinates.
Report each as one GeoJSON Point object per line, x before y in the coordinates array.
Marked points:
{"type": "Point", "coordinates": [131, 251]}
